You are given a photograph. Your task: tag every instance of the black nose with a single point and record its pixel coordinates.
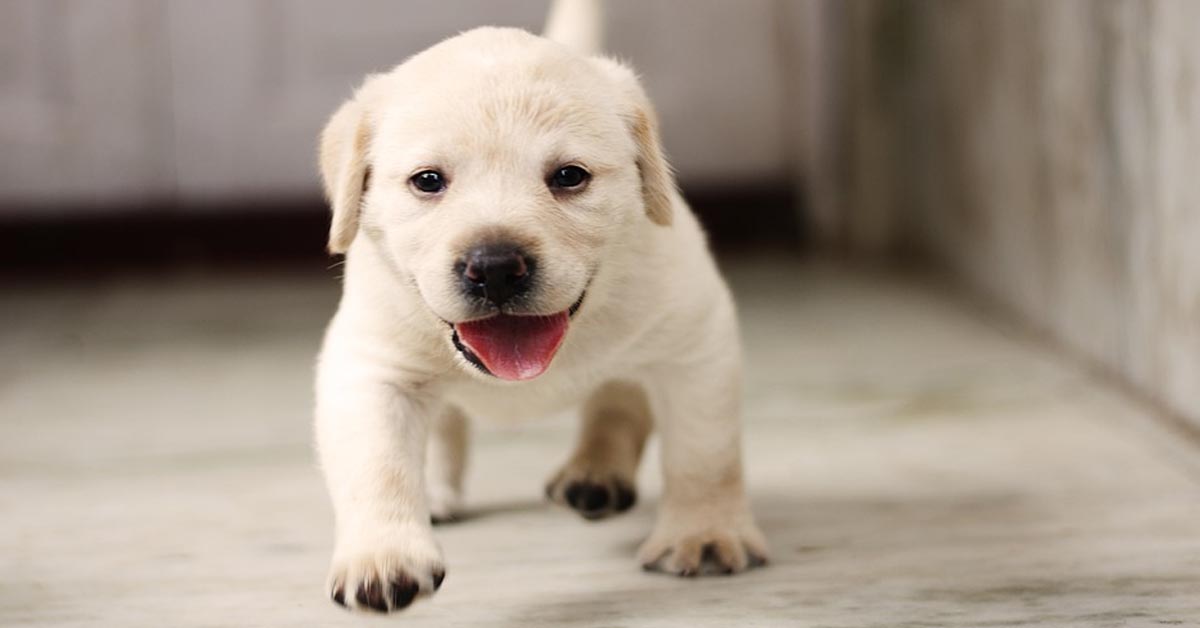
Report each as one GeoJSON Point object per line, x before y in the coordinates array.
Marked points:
{"type": "Point", "coordinates": [496, 272]}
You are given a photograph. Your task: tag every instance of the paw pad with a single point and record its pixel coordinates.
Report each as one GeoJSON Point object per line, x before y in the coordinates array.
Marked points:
{"type": "Point", "coordinates": [596, 500]}
{"type": "Point", "coordinates": [593, 498]}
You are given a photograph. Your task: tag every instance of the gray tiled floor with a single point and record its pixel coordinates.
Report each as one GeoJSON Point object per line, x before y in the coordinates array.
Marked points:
{"type": "Point", "coordinates": [911, 464]}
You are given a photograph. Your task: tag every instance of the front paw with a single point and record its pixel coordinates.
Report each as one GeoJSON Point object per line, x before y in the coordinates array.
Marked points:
{"type": "Point", "coordinates": [593, 494]}
{"type": "Point", "coordinates": [692, 544]}
{"type": "Point", "coordinates": [385, 576]}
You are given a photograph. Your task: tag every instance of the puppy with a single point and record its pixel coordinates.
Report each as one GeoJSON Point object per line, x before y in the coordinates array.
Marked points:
{"type": "Point", "coordinates": [515, 244]}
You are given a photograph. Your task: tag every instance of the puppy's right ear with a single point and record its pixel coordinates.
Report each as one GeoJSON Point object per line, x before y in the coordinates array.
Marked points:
{"type": "Point", "coordinates": [345, 171]}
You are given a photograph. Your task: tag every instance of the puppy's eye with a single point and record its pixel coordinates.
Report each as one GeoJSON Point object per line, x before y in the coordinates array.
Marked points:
{"type": "Point", "coordinates": [569, 177]}
{"type": "Point", "coordinates": [428, 181]}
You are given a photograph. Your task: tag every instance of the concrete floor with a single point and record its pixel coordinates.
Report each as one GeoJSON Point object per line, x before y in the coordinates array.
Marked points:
{"type": "Point", "coordinates": [911, 463]}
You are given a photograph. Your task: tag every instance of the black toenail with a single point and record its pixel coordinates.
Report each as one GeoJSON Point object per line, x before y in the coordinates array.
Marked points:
{"type": "Point", "coordinates": [574, 495]}
{"type": "Point", "coordinates": [626, 497]}
{"type": "Point", "coordinates": [370, 595]}
{"type": "Point", "coordinates": [595, 497]}
{"type": "Point", "coordinates": [403, 591]}
{"type": "Point", "coordinates": [339, 596]}
{"type": "Point", "coordinates": [438, 577]}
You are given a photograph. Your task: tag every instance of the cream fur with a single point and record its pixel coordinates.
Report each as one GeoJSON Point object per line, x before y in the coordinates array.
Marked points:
{"type": "Point", "coordinates": [654, 343]}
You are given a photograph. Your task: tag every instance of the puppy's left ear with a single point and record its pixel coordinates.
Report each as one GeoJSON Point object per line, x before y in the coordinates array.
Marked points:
{"type": "Point", "coordinates": [658, 180]}
{"type": "Point", "coordinates": [345, 170]}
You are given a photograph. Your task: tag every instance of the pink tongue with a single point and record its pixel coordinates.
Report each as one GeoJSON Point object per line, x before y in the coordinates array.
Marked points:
{"type": "Point", "coordinates": [515, 347]}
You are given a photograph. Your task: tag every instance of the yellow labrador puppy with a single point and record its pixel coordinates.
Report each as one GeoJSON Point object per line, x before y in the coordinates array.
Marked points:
{"type": "Point", "coordinates": [515, 245]}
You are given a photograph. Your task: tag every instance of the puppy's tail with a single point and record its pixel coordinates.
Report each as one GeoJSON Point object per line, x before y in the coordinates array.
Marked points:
{"type": "Point", "coordinates": [577, 24]}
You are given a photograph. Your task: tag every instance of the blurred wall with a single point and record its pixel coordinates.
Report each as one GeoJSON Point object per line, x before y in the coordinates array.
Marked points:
{"type": "Point", "coordinates": [1048, 153]}
{"type": "Point", "coordinates": [183, 102]}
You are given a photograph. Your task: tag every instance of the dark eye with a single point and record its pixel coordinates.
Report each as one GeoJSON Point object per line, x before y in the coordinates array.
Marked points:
{"type": "Point", "coordinates": [569, 177]}
{"type": "Point", "coordinates": [428, 181]}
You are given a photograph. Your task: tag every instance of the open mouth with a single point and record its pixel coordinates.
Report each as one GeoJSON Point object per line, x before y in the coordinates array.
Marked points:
{"type": "Point", "coordinates": [513, 347]}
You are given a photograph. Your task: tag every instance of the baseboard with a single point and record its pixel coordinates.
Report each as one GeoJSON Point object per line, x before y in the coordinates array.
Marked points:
{"type": "Point", "coordinates": [95, 240]}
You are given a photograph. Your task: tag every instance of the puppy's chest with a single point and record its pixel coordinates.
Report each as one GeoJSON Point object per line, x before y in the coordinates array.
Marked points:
{"type": "Point", "coordinates": [514, 403]}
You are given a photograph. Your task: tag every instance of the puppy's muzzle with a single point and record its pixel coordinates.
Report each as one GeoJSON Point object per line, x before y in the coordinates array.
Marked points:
{"type": "Point", "coordinates": [496, 272]}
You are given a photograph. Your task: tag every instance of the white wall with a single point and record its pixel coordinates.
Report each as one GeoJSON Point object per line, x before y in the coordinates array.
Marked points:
{"type": "Point", "coordinates": [128, 102]}
{"type": "Point", "coordinates": [83, 94]}
{"type": "Point", "coordinates": [1046, 153]}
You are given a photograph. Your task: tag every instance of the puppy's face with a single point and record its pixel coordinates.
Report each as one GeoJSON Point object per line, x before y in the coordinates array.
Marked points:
{"type": "Point", "coordinates": [495, 172]}
{"type": "Point", "coordinates": [499, 199]}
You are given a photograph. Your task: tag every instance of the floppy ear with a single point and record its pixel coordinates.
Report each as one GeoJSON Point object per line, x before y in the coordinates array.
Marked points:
{"type": "Point", "coordinates": [658, 180]}
{"type": "Point", "coordinates": [345, 171]}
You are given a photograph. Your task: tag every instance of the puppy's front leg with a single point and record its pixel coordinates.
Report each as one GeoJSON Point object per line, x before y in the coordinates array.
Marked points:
{"type": "Point", "coordinates": [704, 522]}
{"type": "Point", "coordinates": [371, 437]}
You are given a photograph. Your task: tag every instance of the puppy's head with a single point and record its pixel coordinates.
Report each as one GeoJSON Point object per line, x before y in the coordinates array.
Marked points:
{"type": "Point", "coordinates": [495, 172]}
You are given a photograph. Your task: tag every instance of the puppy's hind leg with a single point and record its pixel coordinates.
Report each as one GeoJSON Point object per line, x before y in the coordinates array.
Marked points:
{"type": "Point", "coordinates": [599, 478]}
{"type": "Point", "coordinates": [446, 464]}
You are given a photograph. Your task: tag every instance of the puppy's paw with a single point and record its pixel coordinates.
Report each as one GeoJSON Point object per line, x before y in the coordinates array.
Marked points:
{"type": "Point", "coordinates": [445, 504]}
{"type": "Point", "coordinates": [593, 494]}
{"type": "Point", "coordinates": [691, 546]}
{"type": "Point", "coordinates": [385, 577]}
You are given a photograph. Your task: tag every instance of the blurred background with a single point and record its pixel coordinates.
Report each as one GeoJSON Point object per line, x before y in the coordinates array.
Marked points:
{"type": "Point", "coordinates": [1043, 153]}
{"type": "Point", "coordinates": [1033, 163]}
